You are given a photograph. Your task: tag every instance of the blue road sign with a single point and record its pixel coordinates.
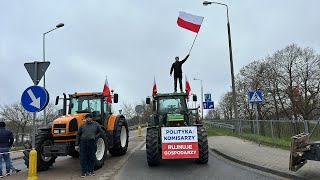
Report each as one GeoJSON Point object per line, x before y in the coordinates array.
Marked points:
{"type": "Point", "coordinates": [207, 97]}
{"type": "Point", "coordinates": [208, 105]}
{"type": "Point", "coordinates": [34, 98]}
{"type": "Point", "coordinates": [255, 97]}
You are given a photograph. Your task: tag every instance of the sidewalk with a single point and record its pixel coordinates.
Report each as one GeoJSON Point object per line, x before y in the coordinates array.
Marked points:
{"type": "Point", "coordinates": [273, 160]}
{"type": "Point", "coordinates": [16, 155]}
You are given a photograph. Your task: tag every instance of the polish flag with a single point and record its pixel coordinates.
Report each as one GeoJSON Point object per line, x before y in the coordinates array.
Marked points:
{"type": "Point", "coordinates": [189, 21]}
{"type": "Point", "coordinates": [106, 91]}
{"type": "Point", "coordinates": [188, 88]}
{"type": "Point", "coordinates": [154, 88]}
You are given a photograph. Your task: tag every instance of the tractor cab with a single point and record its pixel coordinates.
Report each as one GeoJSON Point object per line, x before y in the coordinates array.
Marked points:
{"type": "Point", "coordinates": [93, 103]}
{"type": "Point", "coordinates": [170, 109]}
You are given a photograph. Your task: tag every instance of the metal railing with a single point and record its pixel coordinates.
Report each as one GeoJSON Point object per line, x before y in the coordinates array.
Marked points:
{"type": "Point", "coordinates": [277, 132]}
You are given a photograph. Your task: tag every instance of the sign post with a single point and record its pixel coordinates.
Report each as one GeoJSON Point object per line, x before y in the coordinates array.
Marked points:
{"type": "Point", "coordinates": [35, 99]}
{"type": "Point", "coordinates": [139, 110]}
{"type": "Point", "coordinates": [255, 97]}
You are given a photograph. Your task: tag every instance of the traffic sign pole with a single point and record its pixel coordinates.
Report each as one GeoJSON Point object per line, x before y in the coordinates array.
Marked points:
{"type": "Point", "coordinates": [257, 118]}
{"type": "Point", "coordinates": [32, 103]}
{"type": "Point", "coordinates": [34, 114]}
{"type": "Point", "coordinates": [34, 131]}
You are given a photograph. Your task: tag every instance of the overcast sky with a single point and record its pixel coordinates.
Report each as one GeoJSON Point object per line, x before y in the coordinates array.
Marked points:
{"type": "Point", "coordinates": [131, 41]}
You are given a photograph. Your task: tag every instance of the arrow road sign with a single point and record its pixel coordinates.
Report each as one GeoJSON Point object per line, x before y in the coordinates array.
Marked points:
{"type": "Point", "coordinates": [34, 99]}
{"type": "Point", "coordinates": [255, 97]}
{"type": "Point", "coordinates": [36, 70]}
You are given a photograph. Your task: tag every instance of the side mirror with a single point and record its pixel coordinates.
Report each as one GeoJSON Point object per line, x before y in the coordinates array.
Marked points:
{"type": "Point", "coordinates": [57, 100]}
{"type": "Point", "coordinates": [194, 98]}
{"type": "Point", "coordinates": [148, 100]}
{"type": "Point", "coordinates": [115, 98]}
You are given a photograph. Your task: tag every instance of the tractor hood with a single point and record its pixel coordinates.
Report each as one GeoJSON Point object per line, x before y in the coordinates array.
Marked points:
{"type": "Point", "coordinates": [67, 118]}
{"type": "Point", "coordinates": [175, 117]}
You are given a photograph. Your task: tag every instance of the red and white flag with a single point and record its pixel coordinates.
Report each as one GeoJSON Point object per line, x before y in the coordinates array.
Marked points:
{"type": "Point", "coordinates": [188, 88]}
{"type": "Point", "coordinates": [106, 91]}
{"type": "Point", "coordinates": [189, 21]}
{"type": "Point", "coordinates": [154, 88]}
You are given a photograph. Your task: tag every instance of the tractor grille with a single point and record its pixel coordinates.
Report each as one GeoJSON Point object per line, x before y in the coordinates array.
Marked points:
{"type": "Point", "coordinates": [73, 125]}
{"type": "Point", "coordinates": [59, 126]}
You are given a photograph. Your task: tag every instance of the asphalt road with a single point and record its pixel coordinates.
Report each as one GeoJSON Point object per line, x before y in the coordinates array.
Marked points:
{"type": "Point", "coordinates": [217, 168]}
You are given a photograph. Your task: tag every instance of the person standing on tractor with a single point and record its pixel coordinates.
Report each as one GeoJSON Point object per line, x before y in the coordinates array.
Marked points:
{"type": "Point", "coordinates": [87, 135]}
{"type": "Point", "coordinates": [6, 141]}
{"type": "Point", "coordinates": [177, 68]}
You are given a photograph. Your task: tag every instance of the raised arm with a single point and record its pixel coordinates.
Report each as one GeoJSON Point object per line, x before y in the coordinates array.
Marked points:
{"type": "Point", "coordinates": [184, 60]}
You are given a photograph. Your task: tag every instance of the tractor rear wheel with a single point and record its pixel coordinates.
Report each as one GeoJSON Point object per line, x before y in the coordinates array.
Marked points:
{"type": "Point", "coordinates": [43, 138]}
{"type": "Point", "coordinates": [101, 151]}
{"type": "Point", "coordinates": [120, 138]}
{"type": "Point", "coordinates": [152, 147]}
{"type": "Point", "coordinates": [203, 146]}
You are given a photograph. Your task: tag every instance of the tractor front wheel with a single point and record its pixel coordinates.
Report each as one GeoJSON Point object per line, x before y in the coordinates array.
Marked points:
{"type": "Point", "coordinates": [152, 147]}
{"type": "Point", "coordinates": [43, 138]}
{"type": "Point", "coordinates": [102, 151]}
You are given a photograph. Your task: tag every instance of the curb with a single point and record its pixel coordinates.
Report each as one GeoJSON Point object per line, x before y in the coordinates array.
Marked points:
{"type": "Point", "coordinates": [254, 166]}
{"type": "Point", "coordinates": [17, 158]}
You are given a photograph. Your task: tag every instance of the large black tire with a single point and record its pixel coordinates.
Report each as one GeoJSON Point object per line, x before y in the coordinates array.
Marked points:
{"type": "Point", "coordinates": [152, 147]}
{"type": "Point", "coordinates": [120, 138]}
{"type": "Point", "coordinates": [102, 151]}
{"type": "Point", "coordinates": [203, 146]}
{"type": "Point", "coordinates": [43, 138]}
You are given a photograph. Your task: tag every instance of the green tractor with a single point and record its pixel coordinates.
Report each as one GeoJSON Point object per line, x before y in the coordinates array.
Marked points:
{"type": "Point", "coordinates": [195, 115]}
{"type": "Point", "coordinates": [172, 133]}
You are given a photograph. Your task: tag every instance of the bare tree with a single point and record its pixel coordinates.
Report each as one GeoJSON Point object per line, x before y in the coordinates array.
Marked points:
{"type": "Point", "coordinates": [128, 110]}
{"type": "Point", "coordinates": [17, 117]}
{"type": "Point", "coordinates": [52, 114]}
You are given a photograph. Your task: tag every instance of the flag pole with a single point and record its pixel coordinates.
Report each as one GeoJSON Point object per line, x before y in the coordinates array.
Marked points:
{"type": "Point", "coordinates": [195, 37]}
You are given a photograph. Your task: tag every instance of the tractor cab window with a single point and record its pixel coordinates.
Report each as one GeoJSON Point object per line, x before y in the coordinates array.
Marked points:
{"type": "Point", "coordinates": [171, 104]}
{"type": "Point", "coordinates": [86, 104]}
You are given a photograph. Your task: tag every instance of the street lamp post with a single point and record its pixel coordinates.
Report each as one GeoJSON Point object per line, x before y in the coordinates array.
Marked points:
{"type": "Point", "coordinates": [234, 96]}
{"type": "Point", "coordinates": [44, 58]}
{"type": "Point", "coordinates": [201, 96]}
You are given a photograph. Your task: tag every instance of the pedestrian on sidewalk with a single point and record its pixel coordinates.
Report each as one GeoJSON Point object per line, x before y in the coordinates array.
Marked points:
{"type": "Point", "coordinates": [177, 68]}
{"type": "Point", "coordinates": [87, 134]}
{"type": "Point", "coordinates": [6, 141]}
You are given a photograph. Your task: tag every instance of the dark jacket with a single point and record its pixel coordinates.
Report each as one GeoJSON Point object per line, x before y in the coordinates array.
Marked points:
{"type": "Point", "coordinates": [176, 66]}
{"type": "Point", "coordinates": [6, 138]}
{"type": "Point", "coordinates": [88, 131]}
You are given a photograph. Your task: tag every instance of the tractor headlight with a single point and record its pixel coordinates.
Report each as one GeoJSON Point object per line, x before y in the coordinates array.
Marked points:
{"type": "Point", "coordinates": [56, 131]}
{"type": "Point", "coordinates": [62, 130]}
